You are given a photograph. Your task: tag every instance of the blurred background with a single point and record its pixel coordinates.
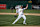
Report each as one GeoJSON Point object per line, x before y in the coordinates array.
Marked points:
{"type": "Point", "coordinates": [35, 4]}
{"type": "Point", "coordinates": [13, 3]}
{"type": "Point", "coordinates": [7, 4]}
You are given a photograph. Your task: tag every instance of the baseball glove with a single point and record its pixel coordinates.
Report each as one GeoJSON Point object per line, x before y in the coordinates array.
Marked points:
{"type": "Point", "coordinates": [15, 15]}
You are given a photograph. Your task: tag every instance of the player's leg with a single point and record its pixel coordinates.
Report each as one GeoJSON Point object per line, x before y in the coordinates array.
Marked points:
{"type": "Point", "coordinates": [17, 19]}
{"type": "Point", "coordinates": [24, 22]}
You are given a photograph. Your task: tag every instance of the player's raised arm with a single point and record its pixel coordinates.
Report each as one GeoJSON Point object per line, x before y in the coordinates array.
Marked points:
{"type": "Point", "coordinates": [26, 6]}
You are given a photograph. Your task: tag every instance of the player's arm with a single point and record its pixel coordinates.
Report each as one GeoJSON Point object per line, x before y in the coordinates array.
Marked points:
{"type": "Point", "coordinates": [26, 6]}
{"type": "Point", "coordinates": [16, 14]}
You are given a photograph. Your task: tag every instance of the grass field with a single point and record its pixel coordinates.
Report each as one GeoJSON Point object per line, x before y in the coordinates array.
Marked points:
{"type": "Point", "coordinates": [6, 20]}
{"type": "Point", "coordinates": [25, 11]}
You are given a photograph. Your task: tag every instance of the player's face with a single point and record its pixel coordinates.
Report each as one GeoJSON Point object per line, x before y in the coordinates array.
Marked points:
{"type": "Point", "coordinates": [21, 6]}
{"type": "Point", "coordinates": [16, 9]}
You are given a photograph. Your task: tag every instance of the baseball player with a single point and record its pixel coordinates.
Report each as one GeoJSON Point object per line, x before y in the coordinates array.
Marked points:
{"type": "Point", "coordinates": [20, 14]}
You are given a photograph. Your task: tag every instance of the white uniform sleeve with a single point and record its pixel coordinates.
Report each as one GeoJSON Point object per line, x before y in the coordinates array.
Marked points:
{"type": "Point", "coordinates": [24, 8]}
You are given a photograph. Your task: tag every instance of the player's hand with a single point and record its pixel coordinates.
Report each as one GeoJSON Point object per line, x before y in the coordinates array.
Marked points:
{"type": "Point", "coordinates": [27, 5]}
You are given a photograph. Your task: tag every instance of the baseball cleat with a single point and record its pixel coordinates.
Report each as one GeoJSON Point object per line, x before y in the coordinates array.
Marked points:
{"type": "Point", "coordinates": [24, 23]}
{"type": "Point", "coordinates": [12, 23]}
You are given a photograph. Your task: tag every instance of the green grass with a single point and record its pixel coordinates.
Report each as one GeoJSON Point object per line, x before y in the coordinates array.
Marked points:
{"type": "Point", "coordinates": [25, 11]}
{"type": "Point", "coordinates": [6, 20]}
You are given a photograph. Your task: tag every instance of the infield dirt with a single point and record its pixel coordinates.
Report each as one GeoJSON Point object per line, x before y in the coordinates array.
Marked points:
{"type": "Point", "coordinates": [36, 14]}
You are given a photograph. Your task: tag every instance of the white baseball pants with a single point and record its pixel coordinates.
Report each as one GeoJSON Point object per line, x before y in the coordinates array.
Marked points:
{"type": "Point", "coordinates": [19, 18]}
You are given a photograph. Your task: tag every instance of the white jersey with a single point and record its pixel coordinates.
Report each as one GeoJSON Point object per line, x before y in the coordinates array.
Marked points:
{"type": "Point", "coordinates": [20, 11]}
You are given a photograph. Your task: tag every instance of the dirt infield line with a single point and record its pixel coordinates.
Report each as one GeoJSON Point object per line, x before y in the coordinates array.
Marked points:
{"type": "Point", "coordinates": [36, 14]}
{"type": "Point", "coordinates": [19, 26]}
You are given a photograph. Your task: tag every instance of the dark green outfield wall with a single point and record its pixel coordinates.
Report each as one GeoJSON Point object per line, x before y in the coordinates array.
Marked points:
{"type": "Point", "coordinates": [10, 3]}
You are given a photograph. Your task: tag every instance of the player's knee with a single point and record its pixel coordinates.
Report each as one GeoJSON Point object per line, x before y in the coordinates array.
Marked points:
{"type": "Point", "coordinates": [24, 18]}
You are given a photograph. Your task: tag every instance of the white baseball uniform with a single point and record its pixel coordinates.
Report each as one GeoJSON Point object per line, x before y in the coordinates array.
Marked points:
{"type": "Point", "coordinates": [20, 12]}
